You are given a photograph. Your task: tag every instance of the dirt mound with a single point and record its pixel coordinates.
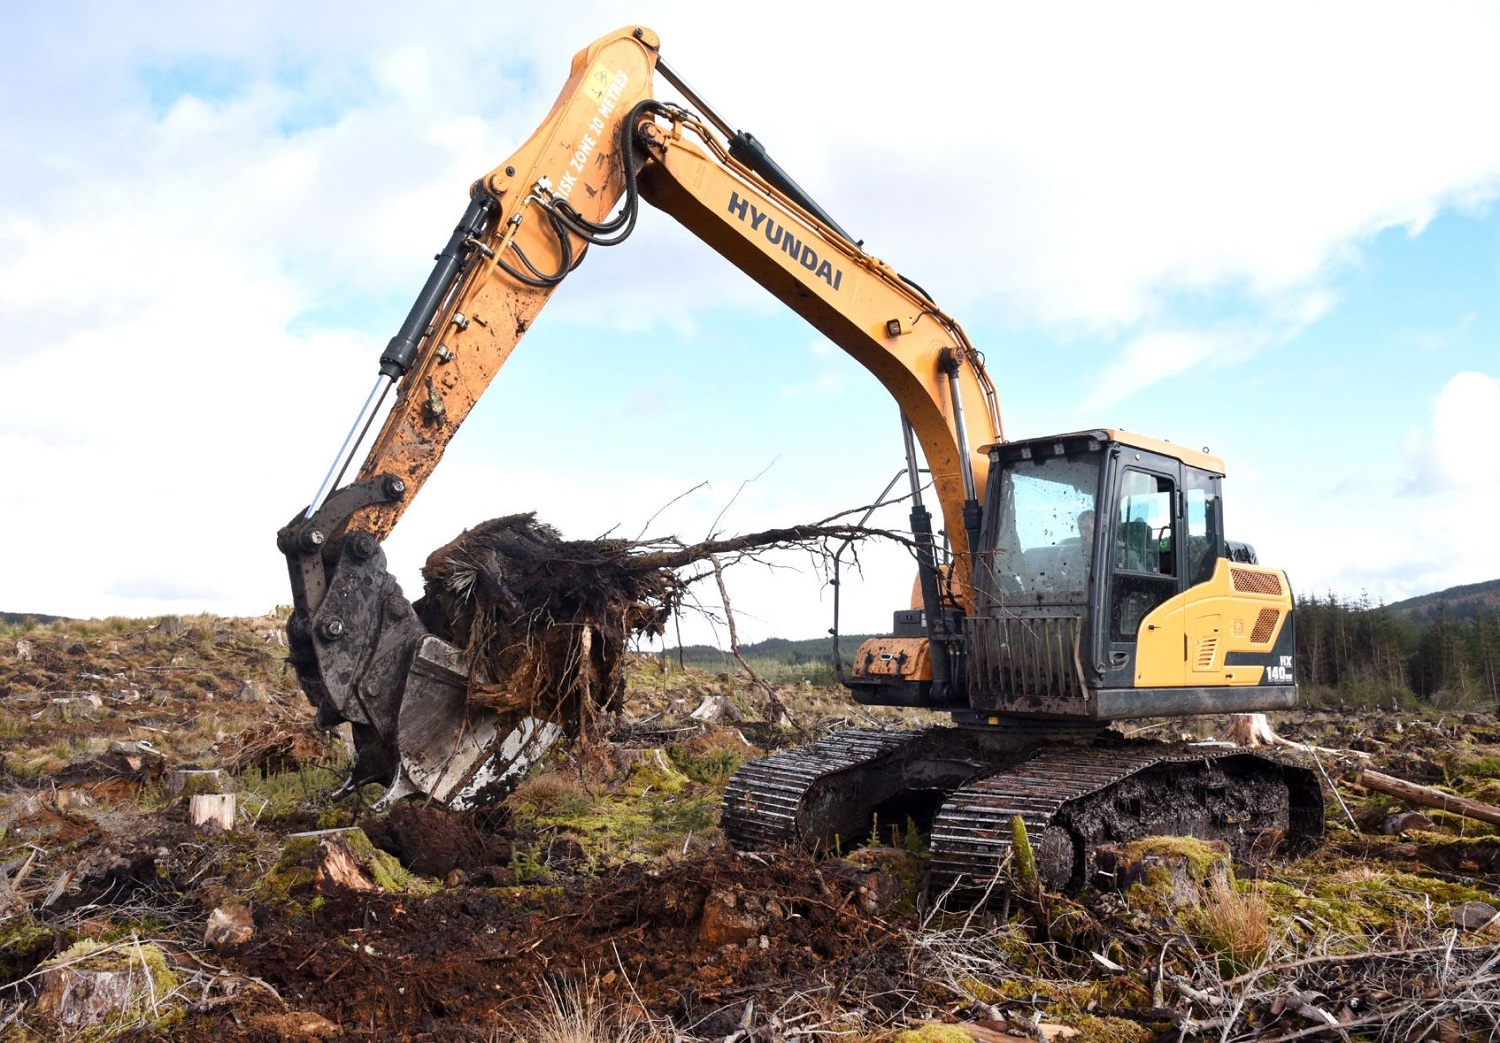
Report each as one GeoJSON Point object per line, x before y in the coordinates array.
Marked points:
{"type": "Point", "coordinates": [433, 841]}
{"type": "Point", "coordinates": [693, 942]}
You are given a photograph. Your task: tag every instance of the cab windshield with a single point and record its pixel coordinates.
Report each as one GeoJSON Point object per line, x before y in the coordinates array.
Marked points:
{"type": "Point", "coordinates": [1042, 509]}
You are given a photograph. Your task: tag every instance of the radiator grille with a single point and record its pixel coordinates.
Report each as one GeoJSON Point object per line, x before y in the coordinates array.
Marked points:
{"type": "Point", "coordinates": [1256, 582]}
{"type": "Point", "coordinates": [1026, 663]}
{"type": "Point", "coordinates": [1265, 626]}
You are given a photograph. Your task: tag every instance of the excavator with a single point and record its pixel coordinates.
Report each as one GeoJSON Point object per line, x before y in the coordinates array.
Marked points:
{"type": "Point", "coordinates": [1072, 581]}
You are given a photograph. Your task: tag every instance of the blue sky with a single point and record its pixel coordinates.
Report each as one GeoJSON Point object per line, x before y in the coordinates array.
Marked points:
{"type": "Point", "coordinates": [1269, 229]}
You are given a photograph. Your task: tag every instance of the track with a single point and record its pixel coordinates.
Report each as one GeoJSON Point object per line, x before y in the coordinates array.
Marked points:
{"type": "Point", "coordinates": [766, 802]}
{"type": "Point", "coordinates": [1071, 799]}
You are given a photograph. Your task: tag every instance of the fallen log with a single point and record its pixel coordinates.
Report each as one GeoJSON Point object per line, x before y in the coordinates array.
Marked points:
{"type": "Point", "coordinates": [1445, 854]}
{"type": "Point", "coordinates": [1428, 797]}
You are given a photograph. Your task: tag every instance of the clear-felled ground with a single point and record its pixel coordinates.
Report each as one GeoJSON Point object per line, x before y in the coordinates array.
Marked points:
{"type": "Point", "coordinates": [603, 904]}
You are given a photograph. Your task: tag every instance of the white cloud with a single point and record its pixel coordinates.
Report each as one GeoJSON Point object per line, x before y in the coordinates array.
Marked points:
{"type": "Point", "coordinates": [1158, 355]}
{"type": "Point", "coordinates": [1459, 452]}
{"type": "Point", "coordinates": [1395, 535]}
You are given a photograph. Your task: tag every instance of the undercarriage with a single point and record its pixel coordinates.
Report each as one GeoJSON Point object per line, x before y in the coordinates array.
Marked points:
{"type": "Point", "coordinates": [964, 787]}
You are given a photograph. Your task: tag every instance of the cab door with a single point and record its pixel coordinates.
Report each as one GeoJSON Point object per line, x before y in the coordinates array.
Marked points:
{"type": "Point", "coordinates": [1143, 562]}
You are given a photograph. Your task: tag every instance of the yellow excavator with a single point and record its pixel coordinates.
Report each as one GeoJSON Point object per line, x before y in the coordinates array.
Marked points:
{"type": "Point", "coordinates": [1076, 579]}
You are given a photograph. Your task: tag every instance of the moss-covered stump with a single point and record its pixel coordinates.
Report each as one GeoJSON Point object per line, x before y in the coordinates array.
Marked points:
{"type": "Point", "coordinates": [108, 986]}
{"type": "Point", "coordinates": [190, 782]}
{"type": "Point", "coordinates": [884, 878]}
{"type": "Point", "coordinates": [1176, 868]}
{"type": "Point", "coordinates": [333, 861]}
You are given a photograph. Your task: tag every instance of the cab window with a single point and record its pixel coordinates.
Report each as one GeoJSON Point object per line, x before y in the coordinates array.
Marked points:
{"type": "Point", "coordinates": [1143, 535]}
{"type": "Point", "coordinates": [1203, 514]}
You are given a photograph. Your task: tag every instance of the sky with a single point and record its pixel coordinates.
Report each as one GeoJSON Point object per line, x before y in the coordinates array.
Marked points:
{"type": "Point", "coordinates": [1267, 229]}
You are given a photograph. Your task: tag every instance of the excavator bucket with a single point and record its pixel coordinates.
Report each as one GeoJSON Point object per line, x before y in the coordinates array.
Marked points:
{"type": "Point", "coordinates": [543, 624]}
{"type": "Point", "coordinates": [459, 755]}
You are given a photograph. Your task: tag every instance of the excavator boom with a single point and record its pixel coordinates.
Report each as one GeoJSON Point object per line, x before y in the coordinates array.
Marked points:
{"type": "Point", "coordinates": [606, 144]}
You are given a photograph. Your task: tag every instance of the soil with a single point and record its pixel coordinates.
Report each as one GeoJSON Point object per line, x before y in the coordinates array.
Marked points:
{"type": "Point", "coordinates": [604, 883]}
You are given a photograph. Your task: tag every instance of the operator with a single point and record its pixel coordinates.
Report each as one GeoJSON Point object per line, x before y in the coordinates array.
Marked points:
{"type": "Point", "coordinates": [1086, 528]}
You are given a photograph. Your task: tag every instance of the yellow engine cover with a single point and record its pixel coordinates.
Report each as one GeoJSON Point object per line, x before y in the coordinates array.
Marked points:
{"type": "Point", "coordinates": [1184, 640]}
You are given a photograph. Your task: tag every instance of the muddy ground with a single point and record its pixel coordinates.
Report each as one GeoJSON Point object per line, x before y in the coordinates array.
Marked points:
{"type": "Point", "coordinates": [602, 903]}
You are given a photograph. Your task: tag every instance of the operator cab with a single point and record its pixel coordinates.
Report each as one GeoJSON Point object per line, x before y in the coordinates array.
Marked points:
{"type": "Point", "coordinates": [1148, 512]}
{"type": "Point", "coordinates": [1104, 589]}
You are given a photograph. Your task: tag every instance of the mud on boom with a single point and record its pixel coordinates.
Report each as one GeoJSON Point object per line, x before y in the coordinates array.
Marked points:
{"type": "Point", "coordinates": [1073, 580]}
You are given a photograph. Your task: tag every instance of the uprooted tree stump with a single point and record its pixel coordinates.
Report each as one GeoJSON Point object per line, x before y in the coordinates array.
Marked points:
{"type": "Point", "coordinates": [551, 620]}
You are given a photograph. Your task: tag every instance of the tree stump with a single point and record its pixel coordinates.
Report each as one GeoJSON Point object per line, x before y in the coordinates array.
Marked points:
{"type": "Point", "coordinates": [1250, 729]}
{"type": "Point", "coordinates": [1177, 868]}
{"type": "Point", "coordinates": [212, 810]}
{"type": "Point", "coordinates": [73, 709]}
{"type": "Point", "coordinates": [715, 708]}
{"type": "Point", "coordinates": [335, 861]}
{"type": "Point", "coordinates": [251, 692]}
{"type": "Point", "coordinates": [95, 985]}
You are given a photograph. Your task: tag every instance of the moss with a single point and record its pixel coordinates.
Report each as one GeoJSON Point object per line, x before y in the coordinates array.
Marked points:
{"type": "Point", "coordinates": [23, 943]}
{"type": "Point", "coordinates": [934, 1034]}
{"type": "Point", "coordinates": [711, 766]}
{"type": "Point", "coordinates": [1460, 825]}
{"type": "Point", "coordinates": [1093, 1029]}
{"type": "Point", "coordinates": [642, 820]}
{"type": "Point", "coordinates": [151, 1004]}
{"type": "Point", "coordinates": [1483, 766]}
{"type": "Point", "coordinates": [1351, 904]}
{"type": "Point", "coordinates": [1486, 790]}
{"type": "Point", "coordinates": [655, 774]}
{"type": "Point", "coordinates": [1025, 858]}
{"type": "Point", "coordinates": [282, 793]}
{"type": "Point", "coordinates": [1203, 858]}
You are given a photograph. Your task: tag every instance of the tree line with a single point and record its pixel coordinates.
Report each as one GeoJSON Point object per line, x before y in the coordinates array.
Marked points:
{"type": "Point", "coordinates": [1367, 653]}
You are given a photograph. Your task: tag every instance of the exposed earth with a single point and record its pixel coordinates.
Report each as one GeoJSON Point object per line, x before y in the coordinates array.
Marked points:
{"type": "Point", "coordinates": [602, 903]}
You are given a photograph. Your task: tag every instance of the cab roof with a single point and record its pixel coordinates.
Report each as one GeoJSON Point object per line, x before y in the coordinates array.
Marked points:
{"type": "Point", "coordinates": [1192, 457]}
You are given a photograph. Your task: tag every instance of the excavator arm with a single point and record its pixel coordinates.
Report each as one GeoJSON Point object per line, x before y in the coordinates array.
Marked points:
{"type": "Point", "coordinates": [359, 650]}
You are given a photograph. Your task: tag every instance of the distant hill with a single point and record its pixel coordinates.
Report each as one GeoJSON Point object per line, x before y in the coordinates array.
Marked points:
{"type": "Point", "coordinates": [780, 650]}
{"type": "Point", "coordinates": [15, 619]}
{"type": "Point", "coordinates": [1463, 602]}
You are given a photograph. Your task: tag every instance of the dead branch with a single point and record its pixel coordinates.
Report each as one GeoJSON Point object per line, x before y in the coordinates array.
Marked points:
{"type": "Point", "coordinates": [776, 713]}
